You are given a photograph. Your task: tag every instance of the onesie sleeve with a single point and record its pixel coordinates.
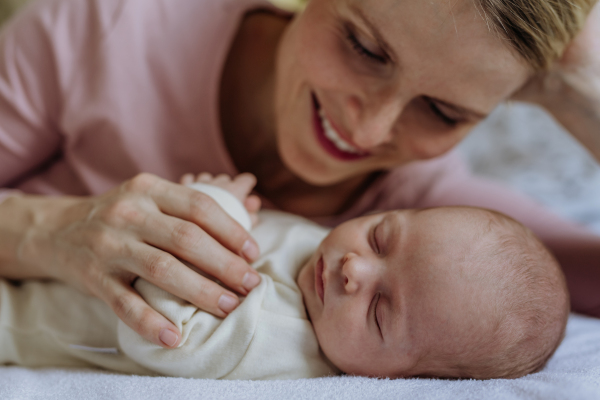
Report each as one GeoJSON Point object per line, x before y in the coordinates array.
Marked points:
{"type": "Point", "coordinates": [39, 50]}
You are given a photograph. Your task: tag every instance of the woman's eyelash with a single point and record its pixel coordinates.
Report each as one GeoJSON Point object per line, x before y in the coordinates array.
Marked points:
{"type": "Point", "coordinates": [446, 119]}
{"type": "Point", "coordinates": [360, 49]}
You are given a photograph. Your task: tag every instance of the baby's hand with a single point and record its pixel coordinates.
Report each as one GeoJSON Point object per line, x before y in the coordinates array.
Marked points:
{"type": "Point", "coordinates": [240, 187]}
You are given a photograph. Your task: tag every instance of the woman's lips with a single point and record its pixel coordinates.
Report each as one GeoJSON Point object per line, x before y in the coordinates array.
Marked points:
{"type": "Point", "coordinates": [327, 144]}
{"type": "Point", "coordinates": [319, 284]}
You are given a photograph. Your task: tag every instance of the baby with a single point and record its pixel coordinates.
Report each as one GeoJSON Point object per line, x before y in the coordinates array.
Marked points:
{"type": "Point", "coordinates": [444, 292]}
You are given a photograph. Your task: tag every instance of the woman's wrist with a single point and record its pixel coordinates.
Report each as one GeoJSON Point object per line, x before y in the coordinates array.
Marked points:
{"type": "Point", "coordinates": [25, 222]}
{"type": "Point", "coordinates": [572, 91]}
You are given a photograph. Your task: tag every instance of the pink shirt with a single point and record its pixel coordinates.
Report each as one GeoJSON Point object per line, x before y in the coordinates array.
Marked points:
{"type": "Point", "coordinates": [93, 92]}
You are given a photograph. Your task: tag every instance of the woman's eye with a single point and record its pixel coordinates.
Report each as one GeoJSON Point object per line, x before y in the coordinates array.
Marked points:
{"type": "Point", "coordinates": [363, 51]}
{"type": "Point", "coordinates": [441, 115]}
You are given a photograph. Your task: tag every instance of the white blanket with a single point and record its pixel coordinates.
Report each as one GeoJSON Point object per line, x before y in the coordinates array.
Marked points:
{"type": "Point", "coordinates": [518, 145]}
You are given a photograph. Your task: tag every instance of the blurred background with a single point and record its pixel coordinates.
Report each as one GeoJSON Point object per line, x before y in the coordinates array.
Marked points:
{"type": "Point", "coordinates": [8, 7]}
{"type": "Point", "coordinates": [523, 147]}
{"type": "Point", "coordinates": [519, 145]}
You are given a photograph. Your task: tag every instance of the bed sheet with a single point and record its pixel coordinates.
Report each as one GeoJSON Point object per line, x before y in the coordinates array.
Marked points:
{"type": "Point", "coordinates": [518, 145]}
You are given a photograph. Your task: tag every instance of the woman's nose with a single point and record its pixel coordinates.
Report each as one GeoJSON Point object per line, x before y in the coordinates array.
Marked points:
{"type": "Point", "coordinates": [372, 122]}
{"type": "Point", "coordinates": [355, 272]}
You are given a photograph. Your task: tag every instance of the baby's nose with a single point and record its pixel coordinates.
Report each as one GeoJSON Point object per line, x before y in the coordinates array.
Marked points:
{"type": "Point", "coordinates": [354, 272]}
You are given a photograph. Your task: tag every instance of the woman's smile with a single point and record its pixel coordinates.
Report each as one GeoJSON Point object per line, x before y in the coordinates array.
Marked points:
{"type": "Point", "coordinates": [333, 142]}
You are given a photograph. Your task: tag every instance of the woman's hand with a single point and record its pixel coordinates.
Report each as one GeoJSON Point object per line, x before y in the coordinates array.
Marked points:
{"type": "Point", "coordinates": [142, 229]}
{"type": "Point", "coordinates": [570, 91]}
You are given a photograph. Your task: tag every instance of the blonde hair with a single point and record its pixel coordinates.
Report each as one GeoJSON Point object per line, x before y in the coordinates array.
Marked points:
{"type": "Point", "coordinates": [539, 30]}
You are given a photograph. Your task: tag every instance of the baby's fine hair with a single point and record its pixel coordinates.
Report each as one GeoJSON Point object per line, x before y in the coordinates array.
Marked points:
{"type": "Point", "coordinates": [529, 303]}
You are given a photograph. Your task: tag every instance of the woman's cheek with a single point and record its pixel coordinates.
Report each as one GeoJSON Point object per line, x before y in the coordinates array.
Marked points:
{"type": "Point", "coordinates": [420, 135]}
{"type": "Point", "coordinates": [320, 52]}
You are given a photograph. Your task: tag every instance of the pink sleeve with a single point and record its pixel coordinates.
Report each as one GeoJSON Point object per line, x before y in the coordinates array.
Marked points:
{"type": "Point", "coordinates": [38, 53]}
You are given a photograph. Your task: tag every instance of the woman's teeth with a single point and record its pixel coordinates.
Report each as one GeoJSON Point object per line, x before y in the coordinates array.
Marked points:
{"type": "Point", "coordinates": [333, 136]}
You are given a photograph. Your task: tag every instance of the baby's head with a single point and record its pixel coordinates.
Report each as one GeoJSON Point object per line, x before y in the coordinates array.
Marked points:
{"type": "Point", "coordinates": [445, 292]}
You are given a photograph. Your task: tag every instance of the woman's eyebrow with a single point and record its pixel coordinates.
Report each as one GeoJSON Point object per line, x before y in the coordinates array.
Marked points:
{"type": "Point", "coordinates": [373, 28]}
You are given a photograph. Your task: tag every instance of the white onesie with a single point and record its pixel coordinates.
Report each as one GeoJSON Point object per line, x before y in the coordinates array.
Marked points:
{"type": "Point", "coordinates": [267, 337]}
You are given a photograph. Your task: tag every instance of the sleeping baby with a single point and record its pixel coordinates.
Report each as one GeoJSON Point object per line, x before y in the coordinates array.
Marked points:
{"type": "Point", "coordinates": [442, 292]}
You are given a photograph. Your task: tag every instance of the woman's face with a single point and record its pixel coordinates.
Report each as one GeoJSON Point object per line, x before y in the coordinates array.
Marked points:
{"type": "Point", "coordinates": [366, 85]}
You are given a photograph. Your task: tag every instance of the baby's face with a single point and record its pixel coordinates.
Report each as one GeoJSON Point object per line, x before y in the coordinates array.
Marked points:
{"type": "Point", "coordinates": [385, 292]}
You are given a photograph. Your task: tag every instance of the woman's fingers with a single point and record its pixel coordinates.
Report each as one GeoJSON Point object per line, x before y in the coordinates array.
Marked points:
{"type": "Point", "coordinates": [131, 308]}
{"type": "Point", "coordinates": [181, 222]}
{"type": "Point", "coordinates": [189, 242]}
{"type": "Point", "coordinates": [167, 272]}
{"type": "Point", "coordinates": [190, 205]}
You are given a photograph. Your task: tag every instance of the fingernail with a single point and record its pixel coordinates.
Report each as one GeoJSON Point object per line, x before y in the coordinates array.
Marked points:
{"type": "Point", "coordinates": [250, 280]}
{"type": "Point", "coordinates": [250, 250]}
{"type": "Point", "coordinates": [168, 337]}
{"type": "Point", "coordinates": [228, 303]}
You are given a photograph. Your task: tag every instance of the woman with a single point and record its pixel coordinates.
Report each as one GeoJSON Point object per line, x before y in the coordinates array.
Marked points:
{"type": "Point", "coordinates": [335, 111]}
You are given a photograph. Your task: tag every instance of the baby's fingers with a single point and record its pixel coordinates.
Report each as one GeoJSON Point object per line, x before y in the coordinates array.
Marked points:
{"type": "Point", "coordinates": [131, 308]}
{"type": "Point", "coordinates": [244, 183]}
{"type": "Point", "coordinates": [204, 177]}
{"type": "Point", "coordinates": [252, 204]}
{"type": "Point", "coordinates": [187, 179]}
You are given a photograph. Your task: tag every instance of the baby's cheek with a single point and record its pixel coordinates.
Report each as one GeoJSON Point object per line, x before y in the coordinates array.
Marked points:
{"type": "Point", "coordinates": [331, 346]}
{"type": "Point", "coordinates": [336, 345]}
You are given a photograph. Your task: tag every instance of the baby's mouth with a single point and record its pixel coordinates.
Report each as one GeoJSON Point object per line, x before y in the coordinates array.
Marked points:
{"type": "Point", "coordinates": [319, 284]}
